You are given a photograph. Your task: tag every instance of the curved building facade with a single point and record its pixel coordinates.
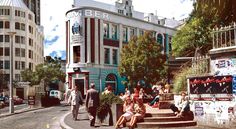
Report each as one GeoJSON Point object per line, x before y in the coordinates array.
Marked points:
{"type": "Point", "coordinates": [95, 35]}
{"type": "Point", "coordinates": [27, 38]}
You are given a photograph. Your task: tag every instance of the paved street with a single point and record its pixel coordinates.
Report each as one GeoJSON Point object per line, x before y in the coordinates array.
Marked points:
{"type": "Point", "coordinates": [39, 119]}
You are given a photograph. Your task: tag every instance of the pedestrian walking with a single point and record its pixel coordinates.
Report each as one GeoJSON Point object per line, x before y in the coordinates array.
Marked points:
{"type": "Point", "coordinates": [92, 102]}
{"type": "Point", "coordinates": [75, 99]}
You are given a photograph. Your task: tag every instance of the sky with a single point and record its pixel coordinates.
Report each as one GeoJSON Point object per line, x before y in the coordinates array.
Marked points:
{"type": "Point", "coordinates": [53, 18]}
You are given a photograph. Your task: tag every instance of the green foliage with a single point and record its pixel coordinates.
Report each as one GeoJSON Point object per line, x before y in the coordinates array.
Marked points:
{"type": "Point", "coordinates": [196, 33]}
{"type": "Point", "coordinates": [48, 72]}
{"type": "Point", "coordinates": [106, 100]}
{"type": "Point", "coordinates": [141, 59]}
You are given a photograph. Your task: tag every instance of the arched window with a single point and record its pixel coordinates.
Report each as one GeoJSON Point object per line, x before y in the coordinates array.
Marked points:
{"type": "Point", "coordinates": [111, 80]}
{"type": "Point", "coordinates": [160, 38]}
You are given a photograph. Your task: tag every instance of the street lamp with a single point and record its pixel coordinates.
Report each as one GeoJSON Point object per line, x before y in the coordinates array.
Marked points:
{"type": "Point", "coordinates": [11, 103]}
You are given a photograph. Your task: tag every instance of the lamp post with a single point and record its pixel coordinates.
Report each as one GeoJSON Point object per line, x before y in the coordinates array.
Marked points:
{"type": "Point", "coordinates": [11, 103]}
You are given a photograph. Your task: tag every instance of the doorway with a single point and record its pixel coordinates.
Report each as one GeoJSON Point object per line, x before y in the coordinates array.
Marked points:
{"type": "Point", "coordinates": [80, 83]}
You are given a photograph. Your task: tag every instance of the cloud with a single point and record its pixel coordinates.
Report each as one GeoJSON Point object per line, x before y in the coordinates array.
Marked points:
{"type": "Point", "coordinates": [50, 41]}
{"type": "Point", "coordinates": [50, 18]}
{"type": "Point", "coordinates": [55, 28]}
{"type": "Point", "coordinates": [61, 54]}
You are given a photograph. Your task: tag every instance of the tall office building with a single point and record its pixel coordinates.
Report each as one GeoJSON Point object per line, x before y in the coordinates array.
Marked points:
{"type": "Point", "coordinates": [34, 6]}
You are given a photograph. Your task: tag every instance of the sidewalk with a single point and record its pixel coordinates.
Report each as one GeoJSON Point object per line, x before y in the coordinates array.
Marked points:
{"type": "Point", "coordinates": [82, 122]}
{"type": "Point", "coordinates": [27, 109]}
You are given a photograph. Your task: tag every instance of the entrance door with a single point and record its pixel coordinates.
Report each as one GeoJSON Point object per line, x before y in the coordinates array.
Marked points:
{"type": "Point", "coordinates": [80, 84]}
{"type": "Point", "coordinates": [20, 92]}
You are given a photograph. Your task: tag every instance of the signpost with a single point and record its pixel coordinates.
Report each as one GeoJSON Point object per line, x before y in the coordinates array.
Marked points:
{"type": "Point", "coordinates": [31, 100]}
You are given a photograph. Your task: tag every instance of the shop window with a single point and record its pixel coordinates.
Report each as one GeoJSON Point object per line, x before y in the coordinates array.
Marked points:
{"type": "Point", "coordinates": [114, 32]}
{"type": "Point", "coordinates": [76, 51]}
{"type": "Point", "coordinates": [114, 56]}
{"type": "Point", "coordinates": [125, 32]}
{"type": "Point", "coordinates": [107, 56]}
{"type": "Point", "coordinates": [105, 30]}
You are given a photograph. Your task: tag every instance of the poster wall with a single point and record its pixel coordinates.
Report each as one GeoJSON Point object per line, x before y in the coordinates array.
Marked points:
{"type": "Point", "coordinates": [224, 66]}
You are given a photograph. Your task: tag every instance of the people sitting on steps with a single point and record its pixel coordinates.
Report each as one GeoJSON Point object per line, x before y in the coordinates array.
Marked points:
{"type": "Point", "coordinates": [139, 110]}
{"type": "Point", "coordinates": [128, 109]}
{"type": "Point", "coordinates": [183, 109]}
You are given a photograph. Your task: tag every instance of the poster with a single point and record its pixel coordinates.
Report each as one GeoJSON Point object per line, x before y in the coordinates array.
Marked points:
{"type": "Point", "coordinates": [199, 109]}
{"type": "Point", "coordinates": [211, 85]}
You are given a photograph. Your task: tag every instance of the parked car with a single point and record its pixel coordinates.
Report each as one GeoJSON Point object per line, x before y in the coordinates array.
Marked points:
{"type": "Point", "coordinates": [2, 102]}
{"type": "Point", "coordinates": [56, 94]}
{"type": "Point", "coordinates": [17, 100]}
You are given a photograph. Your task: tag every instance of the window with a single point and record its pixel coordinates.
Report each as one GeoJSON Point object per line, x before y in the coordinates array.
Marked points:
{"type": "Point", "coordinates": [31, 42]}
{"type": "Point", "coordinates": [111, 80]}
{"type": "Point", "coordinates": [114, 32]}
{"type": "Point", "coordinates": [4, 11]}
{"type": "Point", "coordinates": [7, 51]}
{"type": "Point", "coordinates": [159, 38]}
{"type": "Point", "coordinates": [132, 32]}
{"type": "Point", "coordinates": [17, 52]}
{"type": "Point", "coordinates": [76, 51]}
{"type": "Point", "coordinates": [22, 40]}
{"type": "Point", "coordinates": [17, 39]}
{"type": "Point", "coordinates": [22, 26]}
{"type": "Point", "coordinates": [1, 64]}
{"type": "Point", "coordinates": [17, 25]}
{"type": "Point", "coordinates": [125, 37]}
{"type": "Point", "coordinates": [31, 66]}
{"type": "Point", "coordinates": [141, 32]}
{"type": "Point", "coordinates": [106, 30]}
{"type": "Point", "coordinates": [7, 64]}
{"type": "Point", "coordinates": [17, 77]}
{"type": "Point", "coordinates": [22, 52]}
{"type": "Point", "coordinates": [1, 24]}
{"type": "Point", "coordinates": [22, 65]}
{"type": "Point", "coordinates": [7, 24]}
{"type": "Point", "coordinates": [7, 38]}
{"type": "Point", "coordinates": [17, 65]}
{"type": "Point", "coordinates": [107, 55]}
{"type": "Point", "coordinates": [1, 51]}
{"type": "Point", "coordinates": [114, 56]}
{"type": "Point", "coordinates": [120, 11]}
{"type": "Point", "coordinates": [1, 38]}
{"type": "Point", "coordinates": [31, 29]}
{"type": "Point", "coordinates": [30, 17]}
{"type": "Point", "coordinates": [30, 54]}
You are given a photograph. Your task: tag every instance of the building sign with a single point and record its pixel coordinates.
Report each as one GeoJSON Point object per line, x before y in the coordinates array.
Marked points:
{"type": "Point", "coordinates": [211, 85]}
{"type": "Point", "coordinates": [31, 100]}
{"type": "Point", "coordinates": [88, 13]}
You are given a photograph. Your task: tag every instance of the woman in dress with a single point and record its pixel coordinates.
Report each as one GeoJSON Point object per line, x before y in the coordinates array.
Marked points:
{"type": "Point", "coordinates": [140, 110]}
{"type": "Point", "coordinates": [128, 109]}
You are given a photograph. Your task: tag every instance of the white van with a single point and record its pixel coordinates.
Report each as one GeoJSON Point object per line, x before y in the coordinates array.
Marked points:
{"type": "Point", "coordinates": [56, 94]}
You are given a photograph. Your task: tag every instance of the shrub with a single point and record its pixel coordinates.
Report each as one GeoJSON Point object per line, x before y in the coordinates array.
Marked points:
{"type": "Point", "coordinates": [106, 100]}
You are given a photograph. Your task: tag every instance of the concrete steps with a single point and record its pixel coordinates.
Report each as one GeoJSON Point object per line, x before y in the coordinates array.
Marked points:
{"type": "Point", "coordinates": [166, 124]}
{"type": "Point", "coordinates": [158, 118]}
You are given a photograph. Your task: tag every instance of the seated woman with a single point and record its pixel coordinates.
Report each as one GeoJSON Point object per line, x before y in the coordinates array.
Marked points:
{"type": "Point", "coordinates": [140, 111]}
{"type": "Point", "coordinates": [156, 98]}
{"type": "Point", "coordinates": [128, 109]}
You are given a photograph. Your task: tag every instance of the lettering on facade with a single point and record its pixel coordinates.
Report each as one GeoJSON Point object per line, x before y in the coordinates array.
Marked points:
{"type": "Point", "coordinates": [77, 39]}
{"type": "Point", "coordinates": [88, 13]}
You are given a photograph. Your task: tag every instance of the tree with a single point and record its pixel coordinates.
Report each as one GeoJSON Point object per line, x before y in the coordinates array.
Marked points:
{"type": "Point", "coordinates": [47, 72]}
{"type": "Point", "coordinates": [194, 37]}
{"type": "Point", "coordinates": [141, 59]}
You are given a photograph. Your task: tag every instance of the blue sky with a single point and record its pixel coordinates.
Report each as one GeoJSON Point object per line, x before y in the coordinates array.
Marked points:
{"type": "Point", "coordinates": [53, 18]}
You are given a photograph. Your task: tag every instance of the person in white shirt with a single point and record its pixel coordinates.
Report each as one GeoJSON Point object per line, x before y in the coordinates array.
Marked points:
{"type": "Point", "coordinates": [74, 100]}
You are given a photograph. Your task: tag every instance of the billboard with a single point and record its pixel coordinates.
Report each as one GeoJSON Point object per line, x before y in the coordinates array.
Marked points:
{"type": "Point", "coordinates": [211, 85]}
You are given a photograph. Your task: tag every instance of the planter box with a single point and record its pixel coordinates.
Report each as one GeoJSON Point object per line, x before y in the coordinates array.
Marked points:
{"type": "Point", "coordinates": [113, 115]}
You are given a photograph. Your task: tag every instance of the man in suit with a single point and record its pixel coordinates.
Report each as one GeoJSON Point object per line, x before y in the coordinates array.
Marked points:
{"type": "Point", "coordinates": [74, 99]}
{"type": "Point", "coordinates": [92, 102]}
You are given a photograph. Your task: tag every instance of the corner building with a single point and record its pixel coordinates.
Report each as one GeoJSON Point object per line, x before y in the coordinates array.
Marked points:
{"type": "Point", "coordinates": [95, 35]}
{"type": "Point", "coordinates": [27, 41]}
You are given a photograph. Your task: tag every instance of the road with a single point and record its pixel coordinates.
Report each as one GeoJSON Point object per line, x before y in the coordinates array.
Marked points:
{"type": "Point", "coordinates": [16, 107]}
{"type": "Point", "coordinates": [40, 119]}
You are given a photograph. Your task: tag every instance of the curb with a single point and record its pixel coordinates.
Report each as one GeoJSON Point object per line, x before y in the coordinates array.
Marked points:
{"type": "Point", "coordinates": [19, 112]}
{"type": "Point", "coordinates": [62, 122]}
